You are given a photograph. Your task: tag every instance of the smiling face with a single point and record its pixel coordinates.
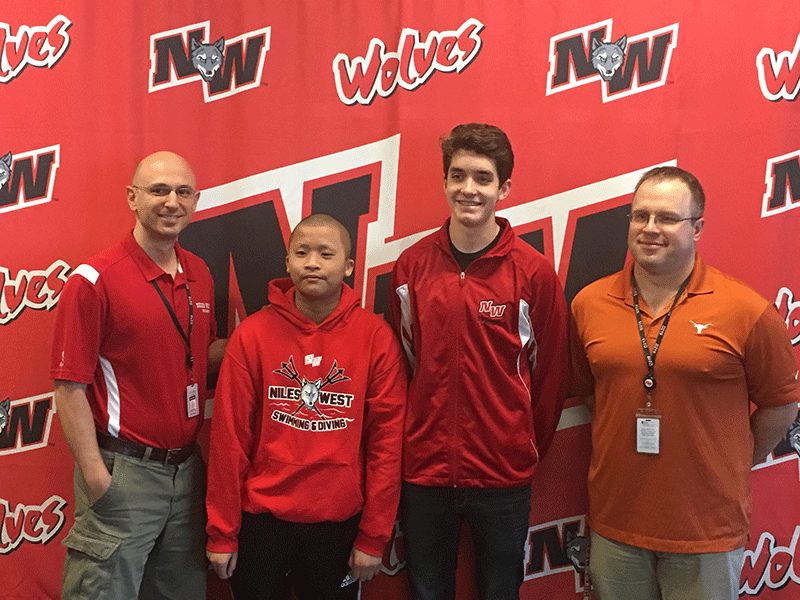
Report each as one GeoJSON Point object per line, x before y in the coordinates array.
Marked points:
{"type": "Point", "coordinates": [317, 263]}
{"type": "Point", "coordinates": [473, 189]}
{"type": "Point", "coordinates": [161, 216]}
{"type": "Point", "coordinates": [668, 250]}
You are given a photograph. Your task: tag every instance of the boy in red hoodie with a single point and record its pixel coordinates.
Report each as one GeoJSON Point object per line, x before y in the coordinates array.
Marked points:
{"type": "Point", "coordinates": [304, 465]}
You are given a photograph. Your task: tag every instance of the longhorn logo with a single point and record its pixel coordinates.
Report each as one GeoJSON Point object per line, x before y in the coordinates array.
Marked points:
{"type": "Point", "coordinates": [699, 327]}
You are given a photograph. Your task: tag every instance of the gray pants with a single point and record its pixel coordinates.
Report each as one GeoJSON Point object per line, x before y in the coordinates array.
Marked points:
{"type": "Point", "coordinates": [623, 572]}
{"type": "Point", "coordinates": [144, 538]}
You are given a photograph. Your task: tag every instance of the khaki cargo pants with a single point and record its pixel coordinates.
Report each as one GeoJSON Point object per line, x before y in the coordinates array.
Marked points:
{"type": "Point", "coordinates": [144, 538]}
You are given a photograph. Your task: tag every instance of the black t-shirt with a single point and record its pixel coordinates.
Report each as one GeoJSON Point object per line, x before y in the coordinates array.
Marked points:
{"type": "Point", "coordinates": [464, 259]}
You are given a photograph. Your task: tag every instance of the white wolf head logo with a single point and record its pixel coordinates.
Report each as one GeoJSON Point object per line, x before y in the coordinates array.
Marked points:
{"type": "Point", "coordinates": [207, 58]}
{"type": "Point", "coordinates": [5, 408]}
{"type": "Point", "coordinates": [607, 57]}
{"type": "Point", "coordinates": [309, 392]}
{"type": "Point", "coordinates": [5, 169]}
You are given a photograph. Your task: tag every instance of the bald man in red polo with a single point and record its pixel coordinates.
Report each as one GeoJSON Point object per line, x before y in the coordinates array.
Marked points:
{"type": "Point", "coordinates": [134, 338]}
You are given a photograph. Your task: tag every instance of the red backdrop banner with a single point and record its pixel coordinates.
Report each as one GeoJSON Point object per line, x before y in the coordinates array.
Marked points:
{"type": "Point", "coordinates": [336, 106]}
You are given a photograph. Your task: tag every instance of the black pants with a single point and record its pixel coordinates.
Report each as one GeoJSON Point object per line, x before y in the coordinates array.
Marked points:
{"type": "Point", "coordinates": [498, 522]}
{"type": "Point", "coordinates": [276, 556]}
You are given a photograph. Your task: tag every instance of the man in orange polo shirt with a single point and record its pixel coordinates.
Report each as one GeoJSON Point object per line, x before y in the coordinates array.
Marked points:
{"type": "Point", "coordinates": [675, 353]}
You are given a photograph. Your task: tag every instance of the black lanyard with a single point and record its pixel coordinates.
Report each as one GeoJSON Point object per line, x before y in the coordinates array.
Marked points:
{"type": "Point", "coordinates": [187, 338]}
{"type": "Point", "coordinates": [650, 357]}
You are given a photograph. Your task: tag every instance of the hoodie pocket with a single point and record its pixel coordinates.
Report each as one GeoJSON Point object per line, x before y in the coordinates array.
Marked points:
{"type": "Point", "coordinates": [308, 493]}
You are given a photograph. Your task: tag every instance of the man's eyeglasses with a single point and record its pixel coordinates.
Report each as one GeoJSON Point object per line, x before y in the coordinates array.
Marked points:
{"type": "Point", "coordinates": [160, 190]}
{"type": "Point", "coordinates": [641, 219]}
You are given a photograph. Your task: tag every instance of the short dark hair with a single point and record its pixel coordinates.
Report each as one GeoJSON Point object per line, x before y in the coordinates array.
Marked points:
{"type": "Point", "coordinates": [489, 140]}
{"type": "Point", "coordinates": [658, 174]}
{"type": "Point", "coordinates": [318, 219]}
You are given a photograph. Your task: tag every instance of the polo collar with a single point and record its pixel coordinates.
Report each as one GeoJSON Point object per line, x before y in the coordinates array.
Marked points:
{"type": "Point", "coordinates": [699, 282]}
{"type": "Point", "coordinates": [150, 270]}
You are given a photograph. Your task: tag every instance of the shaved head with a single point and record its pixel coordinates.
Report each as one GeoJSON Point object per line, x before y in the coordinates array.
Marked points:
{"type": "Point", "coordinates": [322, 219]}
{"type": "Point", "coordinates": [159, 162]}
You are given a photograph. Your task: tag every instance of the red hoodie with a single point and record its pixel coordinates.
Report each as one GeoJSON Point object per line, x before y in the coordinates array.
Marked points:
{"type": "Point", "coordinates": [308, 421]}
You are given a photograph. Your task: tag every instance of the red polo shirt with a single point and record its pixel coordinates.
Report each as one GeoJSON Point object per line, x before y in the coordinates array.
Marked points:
{"type": "Point", "coordinates": [114, 333]}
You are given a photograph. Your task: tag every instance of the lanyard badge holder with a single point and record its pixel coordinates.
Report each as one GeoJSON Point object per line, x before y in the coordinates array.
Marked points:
{"type": "Point", "coordinates": [192, 394]}
{"type": "Point", "coordinates": [648, 430]}
{"type": "Point", "coordinates": [648, 419]}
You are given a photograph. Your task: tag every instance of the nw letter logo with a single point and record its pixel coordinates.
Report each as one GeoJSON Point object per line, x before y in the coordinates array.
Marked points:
{"type": "Point", "coordinates": [582, 231]}
{"type": "Point", "coordinates": [783, 184]}
{"type": "Point", "coordinates": [493, 310]}
{"type": "Point", "coordinates": [183, 55]}
{"type": "Point", "coordinates": [28, 424]}
{"type": "Point", "coordinates": [547, 548]}
{"type": "Point", "coordinates": [27, 179]}
{"type": "Point", "coordinates": [589, 54]}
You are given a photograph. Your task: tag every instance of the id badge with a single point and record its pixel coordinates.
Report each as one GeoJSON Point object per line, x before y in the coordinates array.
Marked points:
{"type": "Point", "coordinates": [648, 431]}
{"type": "Point", "coordinates": [192, 400]}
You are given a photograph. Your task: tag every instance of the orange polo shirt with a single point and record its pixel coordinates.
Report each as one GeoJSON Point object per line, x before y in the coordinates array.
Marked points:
{"type": "Point", "coordinates": [725, 347]}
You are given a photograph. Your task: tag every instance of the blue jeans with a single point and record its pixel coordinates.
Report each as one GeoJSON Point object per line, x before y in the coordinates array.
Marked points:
{"type": "Point", "coordinates": [498, 523]}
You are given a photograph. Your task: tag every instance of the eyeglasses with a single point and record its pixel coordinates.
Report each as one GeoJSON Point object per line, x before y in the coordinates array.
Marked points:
{"type": "Point", "coordinates": [661, 221]}
{"type": "Point", "coordinates": [161, 190]}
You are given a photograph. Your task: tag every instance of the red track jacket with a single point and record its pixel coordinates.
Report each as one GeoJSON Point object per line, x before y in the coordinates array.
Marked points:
{"type": "Point", "coordinates": [488, 352]}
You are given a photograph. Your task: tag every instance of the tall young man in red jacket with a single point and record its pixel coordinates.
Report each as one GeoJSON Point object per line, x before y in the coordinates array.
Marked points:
{"type": "Point", "coordinates": [304, 465]}
{"type": "Point", "coordinates": [483, 322]}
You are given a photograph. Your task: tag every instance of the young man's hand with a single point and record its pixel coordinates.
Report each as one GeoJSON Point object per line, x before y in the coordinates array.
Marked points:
{"type": "Point", "coordinates": [223, 562]}
{"type": "Point", "coordinates": [364, 566]}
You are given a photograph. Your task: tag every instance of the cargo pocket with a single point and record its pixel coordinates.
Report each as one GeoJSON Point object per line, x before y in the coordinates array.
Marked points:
{"type": "Point", "coordinates": [101, 527]}
{"type": "Point", "coordinates": [90, 565]}
{"type": "Point", "coordinates": [96, 544]}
